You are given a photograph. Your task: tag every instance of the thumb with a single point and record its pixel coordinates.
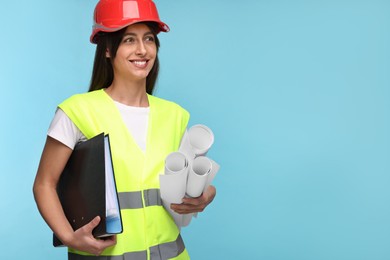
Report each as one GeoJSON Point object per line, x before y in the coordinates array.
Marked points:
{"type": "Point", "coordinates": [92, 224]}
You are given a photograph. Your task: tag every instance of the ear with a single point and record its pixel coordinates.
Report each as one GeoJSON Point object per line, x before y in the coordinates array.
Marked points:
{"type": "Point", "coordinates": [108, 53]}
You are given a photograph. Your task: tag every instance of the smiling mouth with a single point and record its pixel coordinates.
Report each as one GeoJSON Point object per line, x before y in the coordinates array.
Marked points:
{"type": "Point", "coordinates": [140, 63]}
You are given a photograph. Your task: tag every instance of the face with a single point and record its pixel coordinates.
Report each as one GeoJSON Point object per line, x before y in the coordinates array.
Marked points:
{"type": "Point", "coordinates": [136, 53]}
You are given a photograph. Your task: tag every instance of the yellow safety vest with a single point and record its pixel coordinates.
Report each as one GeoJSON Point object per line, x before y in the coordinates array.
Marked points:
{"type": "Point", "coordinates": [149, 231]}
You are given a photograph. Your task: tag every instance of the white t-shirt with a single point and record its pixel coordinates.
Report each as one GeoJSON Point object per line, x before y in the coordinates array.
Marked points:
{"type": "Point", "coordinates": [135, 118]}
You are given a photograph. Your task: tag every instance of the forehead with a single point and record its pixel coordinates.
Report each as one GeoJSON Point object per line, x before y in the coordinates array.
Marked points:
{"type": "Point", "coordinates": [138, 28]}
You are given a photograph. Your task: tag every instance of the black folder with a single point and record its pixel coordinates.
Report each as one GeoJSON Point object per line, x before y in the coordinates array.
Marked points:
{"type": "Point", "coordinates": [87, 187]}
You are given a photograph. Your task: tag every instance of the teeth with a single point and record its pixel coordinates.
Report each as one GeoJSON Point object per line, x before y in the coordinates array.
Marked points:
{"type": "Point", "coordinates": [139, 63]}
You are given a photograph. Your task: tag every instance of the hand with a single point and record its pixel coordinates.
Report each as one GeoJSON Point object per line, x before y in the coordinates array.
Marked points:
{"type": "Point", "coordinates": [192, 205]}
{"type": "Point", "coordinates": [83, 239]}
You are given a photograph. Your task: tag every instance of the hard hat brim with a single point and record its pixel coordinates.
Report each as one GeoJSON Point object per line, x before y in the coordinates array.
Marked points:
{"type": "Point", "coordinates": [114, 15]}
{"type": "Point", "coordinates": [162, 27]}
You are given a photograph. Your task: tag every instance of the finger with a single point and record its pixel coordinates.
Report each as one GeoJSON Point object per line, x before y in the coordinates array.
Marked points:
{"type": "Point", "coordinates": [92, 224]}
{"type": "Point", "coordinates": [211, 189]}
{"type": "Point", "coordinates": [188, 211]}
{"type": "Point", "coordinates": [99, 245]}
{"type": "Point", "coordinates": [110, 238]}
{"type": "Point", "coordinates": [182, 206]}
{"type": "Point", "coordinates": [187, 208]}
{"type": "Point", "coordinates": [210, 193]}
{"type": "Point", "coordinates": [206, 198]}
{"type": "Point", "coordinates": [195, 201]}
{"type": "Point", "coordinates": [108, 241]}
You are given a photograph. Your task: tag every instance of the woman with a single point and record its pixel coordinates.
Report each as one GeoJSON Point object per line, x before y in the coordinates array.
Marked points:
{"type": "Point", "coordinates": [143, 130]}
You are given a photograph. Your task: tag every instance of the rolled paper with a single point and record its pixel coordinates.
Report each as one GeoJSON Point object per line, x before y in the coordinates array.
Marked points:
{"type": "Point", "coordinates": [188, 172]}
{"type": "Point", "coordinates": [197, 141]}
{"type": "Point", "coordinates": [178, 218]}
{"type": "Point", "coordinates": [210, 177]}
{"type": "Point", "coordinates": [175, 163]}
{"type": "Point", "coordinates": [173, 183]}
{"type": "Point", "coordinates": [198, 175]}
{"type": "Point", "coordinates": [186, 219]}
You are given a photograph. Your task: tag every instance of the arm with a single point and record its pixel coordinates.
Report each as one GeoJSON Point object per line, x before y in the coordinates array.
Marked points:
{"type": "Point", "coordinates": [53, 160]}
{"type": "Point", "coordinates": [192, 205]}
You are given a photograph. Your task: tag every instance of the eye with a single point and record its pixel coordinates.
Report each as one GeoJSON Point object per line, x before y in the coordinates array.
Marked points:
{"type": "Point", "coordinates": [149, 38]}
{"type": "Point", "coordinates": [128, 40]}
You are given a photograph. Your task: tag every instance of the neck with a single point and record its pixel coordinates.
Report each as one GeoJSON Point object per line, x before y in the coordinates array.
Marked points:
{"type": "Point", "coordinates": [129, 93]}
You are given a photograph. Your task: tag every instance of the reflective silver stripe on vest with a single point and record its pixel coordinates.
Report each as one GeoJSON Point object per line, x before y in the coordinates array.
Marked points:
{"type": "Point", "coordinates": [130, 200]}
{"type": "Point", "coordinates": [133, 199]}
{"type": "Point", "coordinates": [152, 197]}
{"type": "Point", "coordinates": [160, 252]}
{"type": "Point", "coordinates": [127, 256]}
{"type": "Point", "coordinates": [167, 250]}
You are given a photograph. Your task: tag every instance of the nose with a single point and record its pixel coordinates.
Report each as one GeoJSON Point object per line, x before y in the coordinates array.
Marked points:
{"type": "Point", "coordinates": [141, 50]}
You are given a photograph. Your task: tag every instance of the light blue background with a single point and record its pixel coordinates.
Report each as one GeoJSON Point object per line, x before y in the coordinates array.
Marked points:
{"type": "Point", "coordinates": [296, 92]}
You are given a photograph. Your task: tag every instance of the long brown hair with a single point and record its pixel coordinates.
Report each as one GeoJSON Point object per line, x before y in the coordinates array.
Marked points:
{"type": "Point", "coordinates": [103, 73]}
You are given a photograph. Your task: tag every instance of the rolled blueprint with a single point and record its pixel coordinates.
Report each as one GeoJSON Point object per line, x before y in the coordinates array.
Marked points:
{"type": "Point", "coordinates": [175, 163]}
{"type": "Point", "coordinates": [191, 184]}
{"type": "Point", "coordinates": [214, 169]}
{"type": "Point", "coordinates": [188, 172]}
{"type": "Point", "coordinates": [197, 141]}
{"type": "Point", "coordinates": [173, 183]}
{"type": "Point", "coordinates": [197, 176]}
{"type": "Point", "coordinates": [186, 219]}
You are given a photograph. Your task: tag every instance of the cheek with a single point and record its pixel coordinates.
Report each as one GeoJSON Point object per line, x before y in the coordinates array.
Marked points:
{"type": "Point", "coordinates": [152, 50]}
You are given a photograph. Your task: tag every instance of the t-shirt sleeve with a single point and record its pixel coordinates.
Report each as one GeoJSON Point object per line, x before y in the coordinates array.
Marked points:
{"type": "Point", "coordinates": [64, 130]}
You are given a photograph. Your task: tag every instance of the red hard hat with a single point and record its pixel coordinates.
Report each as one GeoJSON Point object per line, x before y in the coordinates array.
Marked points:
{"type": "Point", "coordinates": [113, 15]}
